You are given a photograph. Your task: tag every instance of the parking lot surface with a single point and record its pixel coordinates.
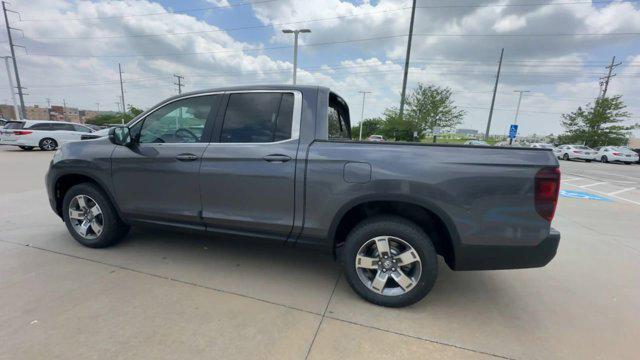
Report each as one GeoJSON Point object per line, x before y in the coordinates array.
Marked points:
{"type": "Point", "coordinates": [172, 295]}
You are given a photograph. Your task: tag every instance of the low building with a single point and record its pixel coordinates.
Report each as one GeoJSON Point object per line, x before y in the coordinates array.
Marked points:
{"type": "Point", "coordinates": [467, 132]}
{"type": "Point", "coordinates": [37, 113]}
{"type": "Point", "coordinates": [7, 112]}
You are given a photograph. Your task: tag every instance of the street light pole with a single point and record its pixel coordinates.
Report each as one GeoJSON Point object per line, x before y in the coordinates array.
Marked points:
{"type": "Point", "coordinates": [295, 33]}
{"type": "Point", "coordinates": [515, 121]}
{"type": "Point", "coordinates": [364, 94]}
{"type": "Point", "coordinates": [406, 60]}
{"type": "Point", "coordinates": [11, 89]}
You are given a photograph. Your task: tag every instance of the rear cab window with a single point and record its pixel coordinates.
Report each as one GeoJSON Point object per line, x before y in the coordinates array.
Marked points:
{"type": "Point", "coordinates": [338, 118]}
{"type": "Point", "coordinates": [258, 117]}
{"type": "Point", "coordinates": [12, 125]}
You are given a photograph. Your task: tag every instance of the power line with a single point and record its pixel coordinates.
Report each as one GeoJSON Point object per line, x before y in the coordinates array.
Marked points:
{"type": "Point", "coordinates": [209, 8]}
{"type": "Point", "coordinates": [332, 43]}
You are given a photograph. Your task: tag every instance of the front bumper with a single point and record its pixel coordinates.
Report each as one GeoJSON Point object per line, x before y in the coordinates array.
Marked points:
{"type": "Point", "coordinates": [489, 257]}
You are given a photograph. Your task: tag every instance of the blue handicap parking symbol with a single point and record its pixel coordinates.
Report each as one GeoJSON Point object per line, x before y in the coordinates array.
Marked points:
{"type": "Point", "coordinates": [582, 195]}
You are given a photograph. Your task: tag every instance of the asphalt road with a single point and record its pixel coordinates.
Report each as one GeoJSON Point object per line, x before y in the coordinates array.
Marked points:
{"type": "Point", "coordinates": [165, 295]}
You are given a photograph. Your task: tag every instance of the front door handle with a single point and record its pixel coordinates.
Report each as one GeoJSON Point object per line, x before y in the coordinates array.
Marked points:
{"type": "Point", "coordinates": [186, 157]}
{"type": "Point", "coordinates": [277, 158]}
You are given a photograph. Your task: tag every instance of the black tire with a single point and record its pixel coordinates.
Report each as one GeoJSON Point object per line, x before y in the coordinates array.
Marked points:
{"type": "Point", "coordinates": [48, 144]}
{"type": "Point", "coordinates": [113, 229]}
{"type": "Point", "coordinates": [389, 225]}
{"type": "Point", "coordinates": [604, 159]}
{"type": "Point", "coordinates": [565, 157]}
{"type": "Point", "coordinates": [26, 148]}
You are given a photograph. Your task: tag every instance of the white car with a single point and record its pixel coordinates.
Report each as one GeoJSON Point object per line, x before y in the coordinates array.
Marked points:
{"type": "Point", "coordinates": [541, 146]}
{"type": "Point", "coordinates": [476, 142]}
{"type": "Point", "coordinates": [47, 135]}
{"type": "Point", "coordinates": [613, 153]}
{"type": "Point", "coordinates": [377, 138]}
{"type": "Point", "coordinates": [575, 152]}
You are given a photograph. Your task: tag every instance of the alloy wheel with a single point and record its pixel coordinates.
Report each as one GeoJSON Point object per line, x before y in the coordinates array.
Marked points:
{"type": "Point", "coordinates": [48, 144]}
{"type": "Point", "coordinates": [86, 216]}
{"type": "Point", "coordinates": [388, 265]}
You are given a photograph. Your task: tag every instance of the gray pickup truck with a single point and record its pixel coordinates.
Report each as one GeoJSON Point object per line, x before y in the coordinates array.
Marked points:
{"type": "Point", "coordinates": [278, 163]}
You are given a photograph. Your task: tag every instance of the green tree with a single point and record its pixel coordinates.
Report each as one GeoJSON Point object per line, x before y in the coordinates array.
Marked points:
{"type": "Point", "coordinates": [432, 107]}
{"type": "Point", "coordinates": [370, 126]}
{"type": "Point", "coordinates": [115, 118]}
{"type": "Point", "coordinates": [598, 124]}
{"type": "Point", "coordinates": [394, 128]}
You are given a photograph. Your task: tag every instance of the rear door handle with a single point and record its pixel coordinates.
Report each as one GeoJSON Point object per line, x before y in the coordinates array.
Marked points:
{"type": "Point", "coordinates": [186, 157]}
{"type": "Point", "coordinates": [277, 158]}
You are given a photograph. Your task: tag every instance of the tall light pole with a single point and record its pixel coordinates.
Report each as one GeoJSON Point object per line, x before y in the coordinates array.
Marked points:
{"type": "Point", "coordinates": [124, 108]}
{"type": "Point", "coordinates": [515, 121]}
{"type": "Point", "coordinates": [295, 33]}
{"type": "Point", "coordinates": [11, 88]}
{"type": "Point", "coordinates": [364, 94]}
{"type": "Point", "coordinates": [23, 111]}
{"type": "Point", "coordinates": [493, 98]}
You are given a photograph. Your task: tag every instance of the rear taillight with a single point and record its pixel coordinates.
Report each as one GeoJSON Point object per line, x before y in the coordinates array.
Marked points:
{"type": "Point", "coordinates": [547, 186]}
{"type": "Point", "coordinates": [22, 132]}
{"type": "Point", "coordinates": [617, 153]}
{"type": "Point", "coordinates": [577, 152]}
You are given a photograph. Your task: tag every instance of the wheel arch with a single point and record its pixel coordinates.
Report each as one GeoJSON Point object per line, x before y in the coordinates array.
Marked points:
{"type": "Point", "coordinates": [429, 216]}
{"type": "Point", "coordinates": [66, 181]}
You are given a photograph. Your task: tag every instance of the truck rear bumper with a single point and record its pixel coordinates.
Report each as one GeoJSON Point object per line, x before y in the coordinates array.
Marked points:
{"type": "Point", "coordinates": [478, 257]}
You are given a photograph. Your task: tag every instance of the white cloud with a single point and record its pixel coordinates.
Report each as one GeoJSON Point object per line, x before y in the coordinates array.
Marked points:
{"type": "Point", "coordinates": [509, 23]}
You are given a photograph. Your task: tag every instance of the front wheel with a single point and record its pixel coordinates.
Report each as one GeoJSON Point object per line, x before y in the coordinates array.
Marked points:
{"type": "Point", "coordinates": [390, 261]}
{"type": "Point", "coordinates": [91, 218]}
{"type": "Point", "coordinates": [604, 159]}
{"type": "Point", "coordinates": [565, 157]}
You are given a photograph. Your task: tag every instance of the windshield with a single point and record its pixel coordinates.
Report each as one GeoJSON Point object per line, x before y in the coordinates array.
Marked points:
{"type": "Point", "coordinates": [580, 147]}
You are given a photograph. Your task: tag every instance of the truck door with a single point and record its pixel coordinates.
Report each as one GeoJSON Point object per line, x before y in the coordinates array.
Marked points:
{"type": "Point", "coordinates": [248, 171]}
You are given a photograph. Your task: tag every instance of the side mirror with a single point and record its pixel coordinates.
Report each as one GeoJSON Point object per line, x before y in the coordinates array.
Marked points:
{"type": "Point", "coordinates": [120, 135]}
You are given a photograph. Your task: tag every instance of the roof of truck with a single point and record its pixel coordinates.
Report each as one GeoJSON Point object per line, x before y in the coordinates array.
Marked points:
{"type": "Point", "coordinates": [255, 87]}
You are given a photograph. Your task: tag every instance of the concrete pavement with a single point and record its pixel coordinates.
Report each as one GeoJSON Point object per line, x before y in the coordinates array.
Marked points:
{"type": "Point", "coordinates": [167, 295]}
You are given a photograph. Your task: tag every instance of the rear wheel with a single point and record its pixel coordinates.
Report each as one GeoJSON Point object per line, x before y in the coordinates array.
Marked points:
{"type": "Point", "coordinates": [26, 148]}
{"type": "Point", "coordinates": [48, 144]}
{"type": "Point", "coordinates": [91, 218]}
{"type": "Point", "coordinates": [604, 159]}
{"type": "Point", "coordinates": [390, 261]}
{"type": "Point", "coordinates": [565, 157]}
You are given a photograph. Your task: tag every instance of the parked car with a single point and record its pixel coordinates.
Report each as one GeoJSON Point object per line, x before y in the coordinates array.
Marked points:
{"type": "Point", "coordinates": [541, 146]}
{"type": "Point", "coordinates": [575, 152]}
{"type": "Point", "coordinates": [278, 163]}
{"type": "Point", "coordinates": [47, 135]}
{"type": "Point", "coordinates": [617, 154]}
{"type": "Point", "coordinates": [378, 138]}
{"type": "Point", "coordinates": [476, 142]}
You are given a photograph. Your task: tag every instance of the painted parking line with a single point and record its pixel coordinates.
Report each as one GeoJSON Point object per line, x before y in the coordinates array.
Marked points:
{"type": "Point", "coordinates": [594, 184]}
{"type": "Point", "coordinates": [582, 195]}
{"type": "Point", "coordinates": [605, 194]}
{"type": "Point", "coordinates": [621, 191]}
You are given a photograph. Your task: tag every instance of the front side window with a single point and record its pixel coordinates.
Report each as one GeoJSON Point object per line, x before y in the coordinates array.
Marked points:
{"type": "Point", "coordinates": [181, 121]}
{"type": "Point", "coordinates": [61, 127]}
{"type": "Point", "coordinates": [258, 117]}
{"type": "Point", "coordinates": [81, 128]}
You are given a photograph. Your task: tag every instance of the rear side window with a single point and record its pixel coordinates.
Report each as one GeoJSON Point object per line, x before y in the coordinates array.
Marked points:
{"type": "Point", "coordinates": [14, 125]}
{"type": "Point", "coordinates": [258, 117]}
{"type": "Point", "coordinates": [62, 127]}
{"type": "Point", "coordinates": [42, 126]}
{"type": "Point", "coordinates": [338, 119]}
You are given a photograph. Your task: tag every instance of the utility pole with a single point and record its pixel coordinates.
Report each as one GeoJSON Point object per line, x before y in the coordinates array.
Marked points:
{"type": "Point", "coordinates": [64, 109]}
{"type": "Point", "coordinates": [124, 108]}
{"type": "Point", "coordinates": [179, 83]}
{"type": "Point", "coordinates": [364, 94]}
{"type": "Point", "coordinates": [605, 80]}
{"type": "Point", "coordinates": [295, 48]}
{"type": "Point", "coordinates": [13, 56]}
{"type": "Point", "coordinates": [48, 102]}
{"type": "Point", "coordinates": [98, 105]}
{"type": "Point", "coordinates": [11, 90]}
{"type": "Point", "coordinates": [515, 121]}
{"type": "Point", "coordinates": [493, 98]}
{"type": "Point", "coordinates": [118, 104]}
{"type": "Point", "coordinates": [406, 61]}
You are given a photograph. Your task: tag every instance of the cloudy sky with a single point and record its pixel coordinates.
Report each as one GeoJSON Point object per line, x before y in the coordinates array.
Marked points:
{"type": "Point", "coordinates": [555, 49]}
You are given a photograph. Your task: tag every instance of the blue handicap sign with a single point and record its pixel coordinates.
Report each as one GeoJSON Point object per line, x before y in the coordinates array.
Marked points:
{"type": "Point", "coordinates": [513, 131]}
{"type": "Point", "coordinates": [582, 195]}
